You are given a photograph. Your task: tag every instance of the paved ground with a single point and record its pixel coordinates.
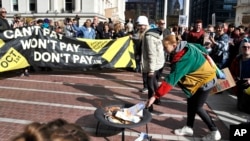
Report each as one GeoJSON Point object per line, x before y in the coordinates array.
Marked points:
{"type": "Point", "coordinates": [74, 96]}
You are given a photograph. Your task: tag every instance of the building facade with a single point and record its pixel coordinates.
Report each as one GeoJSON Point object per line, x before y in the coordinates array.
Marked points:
{"type": "Point", "coordinates": [59, 9]}
{"type": "Point", "coordinates": [242, 13]}
{"type": "Point", "coordinates": [203, 9]}
{"type": "Point", "coordinates": [135, 8]}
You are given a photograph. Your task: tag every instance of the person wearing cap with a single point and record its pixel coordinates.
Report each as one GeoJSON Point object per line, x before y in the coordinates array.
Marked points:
{"type": "Point", "coordinates": [220, 47]}
{"type": "Point", "coordinates": [241, 72]}
{"type": "Point", "coordinates": [45, 23]}
{"type": "Point", "coordinates": [4, 25]}
{"type": "Point", "coordinates": [141, 27]}
{"type": "Point", "coordinates": [153, 58]}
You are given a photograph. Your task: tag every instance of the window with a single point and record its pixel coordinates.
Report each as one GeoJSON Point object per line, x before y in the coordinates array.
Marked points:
{"type": "Point", "coordinates": [227, 7]}
{"type": "Point", "coordinates": [69, 5]}
{"type": "Point", "coordinates": [15, 5]}
{"type": "Point", "coordinates": [230, 1]}
{"type": "Point", "coordinates": [32, 5]}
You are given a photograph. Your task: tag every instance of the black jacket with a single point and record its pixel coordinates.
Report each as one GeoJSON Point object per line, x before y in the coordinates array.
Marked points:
{"type": "Point", "coordinates": [4, 25]}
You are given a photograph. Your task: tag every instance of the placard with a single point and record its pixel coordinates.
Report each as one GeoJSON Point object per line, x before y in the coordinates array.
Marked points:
{"type": "Point", "coordinates": [224, 84]}
{"type": "Point", "coordinates": [183, 21]}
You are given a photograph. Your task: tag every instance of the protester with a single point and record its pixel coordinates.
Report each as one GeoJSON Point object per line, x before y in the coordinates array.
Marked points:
{"type": "Point", "coordinates": [196, 77]}
{"type": "Point", "coordinates": [107, 33]}
{"type": "Point", "coordinates": [143, 26]}
{"type": "Point", "coordinates": [241, 72]}
{"type": "Point", "coordinates": [97, 27]}
{"type": "Point", "coordinates": [118, 32]}
{"type": "Point", "coordinates": [234, 46]}
{"type": "Point", "coordinates": [68, 28]}
{"type": "Point", "coordinates": [17, 22]}
{"type": "Point", "coordinates": [153, 58]}
{"type": "Point", "coordinates": [220, 51]}
{"type": "Point", "coordinates": [230, 31]}
{"type": "Point", "coordinates": [86, 30]}
{"type": "Point", "coordinates": [207, 43]}
{"type": "Point", "coordinates": [4, 25]}
{"type": "Point", "coordinates": [129, 26]}
{"type": "Point", "coordinates": [197, 34]}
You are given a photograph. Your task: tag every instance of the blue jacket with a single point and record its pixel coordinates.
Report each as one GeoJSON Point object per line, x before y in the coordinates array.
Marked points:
{"type": "Point", "coordinates": [85, 32]}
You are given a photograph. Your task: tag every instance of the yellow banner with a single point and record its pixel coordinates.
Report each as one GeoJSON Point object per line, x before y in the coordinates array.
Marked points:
{"type": "Point", "coordinates": [12, 60]}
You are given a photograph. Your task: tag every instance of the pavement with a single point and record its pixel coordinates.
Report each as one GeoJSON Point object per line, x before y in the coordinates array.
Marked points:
{"type": "Point", "coordinates": [224, 105]}
{"type": "Point", "coordinates": [74, 96]}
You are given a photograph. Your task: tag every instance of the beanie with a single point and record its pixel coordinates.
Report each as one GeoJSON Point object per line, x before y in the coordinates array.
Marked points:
{"type": "Point", "coordinates": [46, 20]}
{"type": "Point", "coordinates": [142, 20]}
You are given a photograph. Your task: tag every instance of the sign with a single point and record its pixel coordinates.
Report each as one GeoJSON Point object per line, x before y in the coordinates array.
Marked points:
{"type": "Point", "coordinates": [41, 47]}
{"type": "Point", "coordinates": [183, 21]}
{"type": "Point", "coordinates": [224, 84]}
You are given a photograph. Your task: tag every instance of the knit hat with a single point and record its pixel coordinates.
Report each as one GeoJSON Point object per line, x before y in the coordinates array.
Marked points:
{"type": "Point", "coordinates": [142, 20]}
{"type": "Point", "coordinates": [46, 20]}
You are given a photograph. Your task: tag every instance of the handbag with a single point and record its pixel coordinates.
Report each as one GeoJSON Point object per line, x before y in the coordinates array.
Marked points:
{"type": "Point", "coordinates": [219, 73]}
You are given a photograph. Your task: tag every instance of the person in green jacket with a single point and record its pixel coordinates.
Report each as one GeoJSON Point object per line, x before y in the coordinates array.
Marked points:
{"type": "Point", "coordinates": [196, 77]}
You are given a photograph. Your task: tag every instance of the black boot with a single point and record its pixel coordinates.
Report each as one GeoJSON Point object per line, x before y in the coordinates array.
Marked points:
{"type": "Point", "coordinates": [151, 109]}
{"type": "Point", "coordinates": [157, 101]}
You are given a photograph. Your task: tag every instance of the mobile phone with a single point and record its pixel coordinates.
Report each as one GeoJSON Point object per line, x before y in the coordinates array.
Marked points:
{"type": "Point", "coordinates": [211, 34]}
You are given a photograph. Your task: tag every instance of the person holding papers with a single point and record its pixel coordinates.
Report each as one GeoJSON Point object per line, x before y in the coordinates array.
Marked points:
{"type": "Point", "coordinates": [196, 77]}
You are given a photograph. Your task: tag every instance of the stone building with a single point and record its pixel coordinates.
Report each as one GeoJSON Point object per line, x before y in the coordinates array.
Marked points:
{"type": "Point", "coordinates": [59, 9]}
{"type": "Point", "coordinates": [242, 13]}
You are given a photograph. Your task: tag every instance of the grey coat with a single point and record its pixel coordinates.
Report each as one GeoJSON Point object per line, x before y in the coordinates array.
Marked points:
{"type": "Point", "coordinates": [153, 57]}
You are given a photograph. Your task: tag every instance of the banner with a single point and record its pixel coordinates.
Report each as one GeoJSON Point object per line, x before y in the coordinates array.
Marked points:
{"type": "Point", "coordinates": [41, 47]}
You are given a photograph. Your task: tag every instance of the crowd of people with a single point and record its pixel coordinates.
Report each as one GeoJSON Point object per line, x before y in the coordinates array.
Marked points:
{"type": "Point", "coordinates": [190, 69]}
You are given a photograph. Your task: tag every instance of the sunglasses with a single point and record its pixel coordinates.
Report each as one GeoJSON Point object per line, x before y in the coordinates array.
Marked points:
{"type": "Point", "coordinates": [3, 11]}
{"type": "Point", "coordinates": [246, 47]}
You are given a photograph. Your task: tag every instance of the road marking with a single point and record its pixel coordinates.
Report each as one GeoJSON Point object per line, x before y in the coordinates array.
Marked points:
{"type": "Point", "coordinates": [80, 107]}
{"type": "Point", "coordinates": [92, 78]}
{"type": "Point", "coordinates": [67, 83]}
{"type": "Point", "coordinates": [84, 94]}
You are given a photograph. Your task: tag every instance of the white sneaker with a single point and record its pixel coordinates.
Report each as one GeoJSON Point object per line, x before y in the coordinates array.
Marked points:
{"type": "Point", "coordinates": [184, 131]}
{"type": "Point", "coordinates": [213, 136]}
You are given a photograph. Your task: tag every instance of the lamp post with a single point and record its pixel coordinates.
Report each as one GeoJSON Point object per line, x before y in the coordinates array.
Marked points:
{"type": "Point", "coordinates": [186, 9]}
{"type": "Point", "coordinates": [165, 11]}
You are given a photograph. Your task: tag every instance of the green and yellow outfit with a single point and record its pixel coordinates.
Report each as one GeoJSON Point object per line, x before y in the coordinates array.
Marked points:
{"type": "Point", "coordinates": [195, 76]}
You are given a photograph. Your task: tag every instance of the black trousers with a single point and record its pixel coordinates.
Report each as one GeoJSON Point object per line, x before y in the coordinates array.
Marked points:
{"type": "Point", "coordinates": [195, 106]}
{"type": "Point", "coordinates": [152, 83]}
{"type": "Point", "coordinates": [145, 79]}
